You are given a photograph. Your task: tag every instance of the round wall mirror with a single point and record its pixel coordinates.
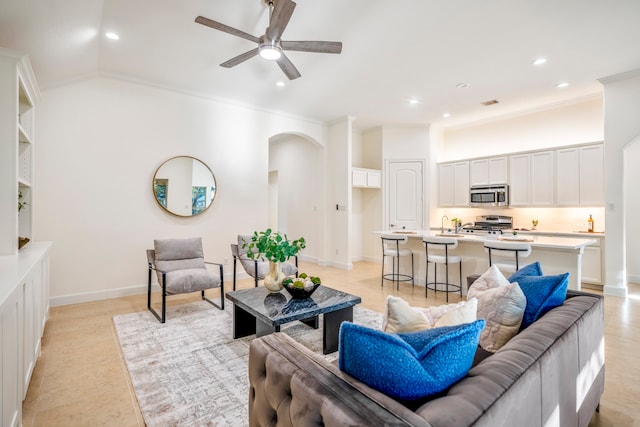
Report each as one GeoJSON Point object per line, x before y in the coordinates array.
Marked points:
{"type": "Point", "coordinates": [184, 186]}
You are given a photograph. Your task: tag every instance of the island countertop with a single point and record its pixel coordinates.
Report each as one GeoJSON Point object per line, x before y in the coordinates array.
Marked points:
{"type": "Point", "coordinates": [536, 241]}
{"type": "Point", "coordinates": [556, 254]}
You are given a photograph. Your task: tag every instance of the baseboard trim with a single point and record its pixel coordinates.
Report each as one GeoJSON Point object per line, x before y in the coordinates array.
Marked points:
{"type": "Point", "coordinates": [96, 295]}
{"type": "Point", "coordinates": [340, 265]}
{"type": "Point", "coordinates": [61, 300]}
{"type": "Point", "coordinates": [616, 291]}
{"type": "Point", "coordinates": [633, 279]}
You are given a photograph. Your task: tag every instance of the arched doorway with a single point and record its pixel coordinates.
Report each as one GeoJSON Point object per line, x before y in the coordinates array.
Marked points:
{"type": "Point", "coordinates": [296, 189]}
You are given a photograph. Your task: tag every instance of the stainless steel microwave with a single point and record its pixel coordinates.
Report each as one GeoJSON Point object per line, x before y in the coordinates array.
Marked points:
{"type": "Point", "coordinates": [489, 195]}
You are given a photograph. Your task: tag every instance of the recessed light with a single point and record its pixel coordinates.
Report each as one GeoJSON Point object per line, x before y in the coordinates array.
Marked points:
{"type": "Point", "coordinates": [446, 115]}
{"type": "Point", "coordinates": [539, 61]}
{"type": "Point", "coordinates": [562, 85]}
{"type": "Point", "coordinates": [462, 85]}
{"type": "Point", "coordinates": [280, 84]}
{"type": "Point", "coordinates": [414, 102]}
{"type": "Point", "coordinates": [112, 36]}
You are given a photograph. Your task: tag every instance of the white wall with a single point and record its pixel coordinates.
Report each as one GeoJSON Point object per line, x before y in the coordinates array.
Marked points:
{"type": "Point", "coordinates": [622, 128]}
{"type": "Point", "coordinates": [632, 209]}
{"type": "Point", "coordinates": [338, 193]}
{"type": "Point", "coordinates": [99, 144]}
{"type": "Point", "coordinates": [571, 123]}
{"type": "Point", "coordinates": [357, 215]}
{"type": "Point", "coordinates": [298, 163]}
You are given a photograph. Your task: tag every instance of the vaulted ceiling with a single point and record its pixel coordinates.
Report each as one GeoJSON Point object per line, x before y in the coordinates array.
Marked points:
{"type": "Point", "coordinates": [393, 51]}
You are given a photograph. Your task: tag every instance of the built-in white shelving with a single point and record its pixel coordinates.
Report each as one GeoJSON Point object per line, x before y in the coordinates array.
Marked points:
{"type": "Point", "coordinates": [18, 97]}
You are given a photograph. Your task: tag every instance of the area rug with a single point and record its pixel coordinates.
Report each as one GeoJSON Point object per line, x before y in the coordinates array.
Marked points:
{"type": "Point", "coordinates": [190, 371]}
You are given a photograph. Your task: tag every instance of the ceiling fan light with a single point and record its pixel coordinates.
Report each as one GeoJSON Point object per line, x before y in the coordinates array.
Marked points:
{"type": "Point", "coordinates": [270, 52]}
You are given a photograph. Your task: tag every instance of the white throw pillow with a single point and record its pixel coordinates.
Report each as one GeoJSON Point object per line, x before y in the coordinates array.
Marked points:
{"type": "Point", "coordinates": [401, 317]}
{"type": "Point", "coordinates": [501, 304]}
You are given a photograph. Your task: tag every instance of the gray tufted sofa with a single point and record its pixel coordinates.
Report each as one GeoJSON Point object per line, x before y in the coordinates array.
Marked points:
{"type": "Point", "coordinates": [552, 373]}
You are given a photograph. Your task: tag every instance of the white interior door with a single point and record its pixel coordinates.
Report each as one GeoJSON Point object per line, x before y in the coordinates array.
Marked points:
{"type": "Point", "coordinates": [405, 184]}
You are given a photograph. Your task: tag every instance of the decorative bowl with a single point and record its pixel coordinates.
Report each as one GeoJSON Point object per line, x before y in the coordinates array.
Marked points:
{"type": "Point", "coordinates": [300, 293]}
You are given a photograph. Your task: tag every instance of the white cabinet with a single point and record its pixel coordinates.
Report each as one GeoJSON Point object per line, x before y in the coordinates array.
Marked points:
{"type": "Point", "coordinates": [519, 180]}
{"type": "Point", "coordinates": [366, 178]}
{"type": "Point", "coordinates": [591, 265]}
{"type": "Point", "coordinates": [542, 178]}
{"type": "Point", "coordinates": [531, 179]}
{"type": "Point", "coordinates": [488, 171]}
{"type": "Point", "coordinates": [453, 184]}
{"type": "Point", "coordinates": [10, 358]}
{"type": "Point", "coordinates": [580, 176]}
{"type": "Point", "coordinates": [568, 177]}
{"type": "Point", "coordinates": [24, 309]}
{"type": "Point", "coordinates": [18, 96]}
{"type": "Point", "coordinates": [592, 175]}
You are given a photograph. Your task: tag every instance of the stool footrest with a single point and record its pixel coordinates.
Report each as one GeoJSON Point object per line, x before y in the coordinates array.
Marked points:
{"type": "Point", "coordinates": [397, 277]}
{"type": "Point", "coordinates": [446, 287]}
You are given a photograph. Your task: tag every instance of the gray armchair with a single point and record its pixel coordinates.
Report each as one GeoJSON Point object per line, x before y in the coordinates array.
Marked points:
{"type": "Point", "coordinates": [181, 268]}
{"type": "Point", "coordinates": [254, 267]}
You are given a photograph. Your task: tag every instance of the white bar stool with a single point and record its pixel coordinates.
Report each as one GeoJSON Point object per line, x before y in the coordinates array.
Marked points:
{"type": "Point", "coordinates": [508, 254]}
{"type": "Point", "coordinates": [391, 247]}
{"type": "Point", "coordinates": [437, 252]}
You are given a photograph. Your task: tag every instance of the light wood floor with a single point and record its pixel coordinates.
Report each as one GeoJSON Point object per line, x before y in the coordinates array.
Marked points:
{"type": "Point", "coordinates": [81, 380]}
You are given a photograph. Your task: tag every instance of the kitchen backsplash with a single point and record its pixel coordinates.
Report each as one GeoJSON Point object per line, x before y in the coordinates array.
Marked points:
{"type": "Point", "coordinates": [549, 219]}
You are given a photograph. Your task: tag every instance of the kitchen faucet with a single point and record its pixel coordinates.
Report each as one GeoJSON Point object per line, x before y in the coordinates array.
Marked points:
{"type": "Point", "coordinates": [458, 229]}
{"type": "Point", "coordinates": [442, 223]}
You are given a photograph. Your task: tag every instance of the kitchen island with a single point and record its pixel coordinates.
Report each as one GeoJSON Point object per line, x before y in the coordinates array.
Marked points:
{"type": "Point", "coordinates": [557, 255]}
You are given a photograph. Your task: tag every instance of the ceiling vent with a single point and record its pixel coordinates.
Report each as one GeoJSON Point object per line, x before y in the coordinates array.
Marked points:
{"type": "Point", "coordinates": [492, 102]}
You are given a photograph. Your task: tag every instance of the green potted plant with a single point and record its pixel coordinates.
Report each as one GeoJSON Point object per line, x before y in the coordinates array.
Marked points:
{"type": "Point", "coordinates": [21, 203]}
{"type": "Point", "coordinates": [276, 248]}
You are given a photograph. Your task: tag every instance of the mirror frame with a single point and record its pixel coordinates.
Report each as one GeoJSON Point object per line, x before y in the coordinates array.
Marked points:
{"type": "Point", "coordinates": [166, 209]}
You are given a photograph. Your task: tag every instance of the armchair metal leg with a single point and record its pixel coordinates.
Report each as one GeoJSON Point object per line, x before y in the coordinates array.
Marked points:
{"type": "Point", "coordinates": [218, 306]}
{"type": "Point", "coordinates": [255, 271]}
{"type": "Point", "coordinates": [221, 306]}
{"type": "Point", "coordinates": [234, 272]}
{"type": "Point", "coordinates": [149, 289]}
{"type": "Point", "coordinates": [164, 298]}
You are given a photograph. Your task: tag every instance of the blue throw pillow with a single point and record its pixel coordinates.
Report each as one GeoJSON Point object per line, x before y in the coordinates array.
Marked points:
{"type": "Point", "coordinates": [528, 270]}
{"type": "Point", "coordinates": [543, 293]}
{"type": "Point", "coordinates": [409, 365]}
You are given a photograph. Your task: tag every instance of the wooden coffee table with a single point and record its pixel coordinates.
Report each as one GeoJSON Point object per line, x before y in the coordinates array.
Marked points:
{"type": "Point", "coordinates": [258, 311]}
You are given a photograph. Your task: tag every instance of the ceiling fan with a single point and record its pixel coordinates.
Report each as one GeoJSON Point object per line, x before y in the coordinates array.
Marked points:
{"type": "Point", "coordinates": [270, 45]}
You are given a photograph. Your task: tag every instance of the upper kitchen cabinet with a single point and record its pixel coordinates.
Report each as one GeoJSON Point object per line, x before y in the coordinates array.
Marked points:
{"type": "Point", "coordinates": [568, 177]}
{"type": "Point", "coordinates": [488, 171]}
{"type": "Point", "coordinates": [453, 184]}
{"type": "Point", "coordinates": [592, 175]}
{"type": "Point", "coordinates": [519, 180]}
{"type": "Point", "coordinates": [366, 178]}
{"type": "Point", "coordinates": [18, 96]}
{"type": "Point", "coordinates": [531, 179]}
{"type": "Point", "coordinates": [580, 176]}
{"type": "Point", "coordinates": [542, 178]}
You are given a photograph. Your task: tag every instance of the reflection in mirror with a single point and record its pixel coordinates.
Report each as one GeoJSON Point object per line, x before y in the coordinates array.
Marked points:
{"type": "Point", "coordinates": [184, 186]}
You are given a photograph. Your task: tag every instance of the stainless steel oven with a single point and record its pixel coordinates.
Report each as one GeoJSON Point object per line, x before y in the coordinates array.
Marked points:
{"type": "Point", "coordinates": [489, 195]}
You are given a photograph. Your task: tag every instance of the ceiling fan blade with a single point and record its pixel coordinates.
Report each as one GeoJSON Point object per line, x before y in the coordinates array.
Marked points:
{"type": "Point", "coordinates": [312, 46]}
{"type": "Point", "coordinates": [240, 58]}
{"type": "Point", "coordinates": [225, 28]}
{"type": "Point", "coordinates": [288, 68]}
{"type": "Point", "coordinates": [282, 12]}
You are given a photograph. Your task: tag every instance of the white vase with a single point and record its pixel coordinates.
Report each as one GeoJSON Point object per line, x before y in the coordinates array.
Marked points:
{"type": "Point", "coordinates": [273, 280]}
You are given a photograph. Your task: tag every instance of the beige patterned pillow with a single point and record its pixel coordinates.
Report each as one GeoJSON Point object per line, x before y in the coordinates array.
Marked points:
{"type": "Point", "coordinates": [501, 304]}
{"type": "Point", "coordinates": [401, 317]}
